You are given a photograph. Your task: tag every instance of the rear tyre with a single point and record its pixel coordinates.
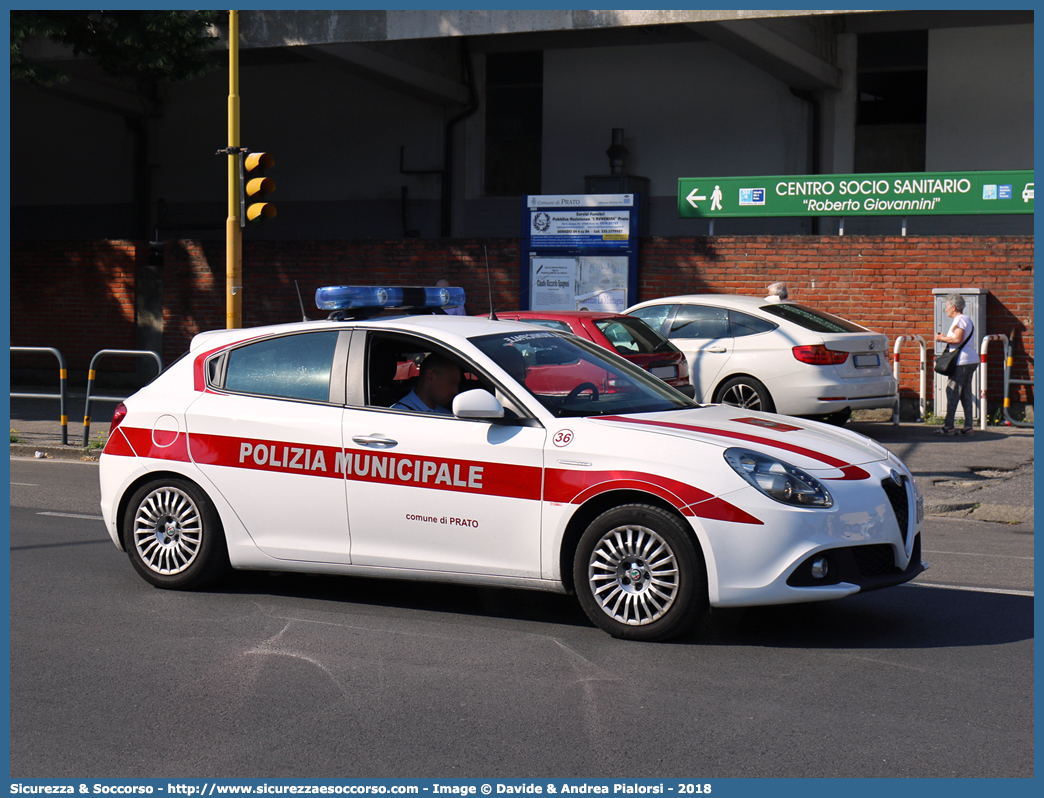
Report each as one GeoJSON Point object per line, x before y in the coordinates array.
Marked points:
{"type": "Point", "coordinates": [639, 574]}
{"type": "Point", "coordinates": [840, 418]}
{"type": "Point", "coordinates": [173, 535]}
{"type": "Point", "coordinates": [745, 392]}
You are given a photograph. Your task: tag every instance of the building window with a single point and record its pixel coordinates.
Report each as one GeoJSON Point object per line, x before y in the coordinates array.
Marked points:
{"type": "Point", "coordinates": [514, 121]}
{"type": "Point", "coordinates": [892, 82]}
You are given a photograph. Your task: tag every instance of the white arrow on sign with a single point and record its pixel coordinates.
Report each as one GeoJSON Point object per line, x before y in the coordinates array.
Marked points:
{"type": "Point", "coordinates": [692, 198]}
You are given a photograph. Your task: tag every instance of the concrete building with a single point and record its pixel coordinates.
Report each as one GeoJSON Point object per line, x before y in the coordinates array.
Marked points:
{"type": "Point", "coordinates": [430, 124]}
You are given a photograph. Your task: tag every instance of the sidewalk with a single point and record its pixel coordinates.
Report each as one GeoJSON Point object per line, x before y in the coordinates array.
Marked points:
{"type": "Point", "coordinates": [987, 476]}
{"type": "Point", "coordinates": [984, 477]}
{"type": "Point", "coordinates": [36, 423]}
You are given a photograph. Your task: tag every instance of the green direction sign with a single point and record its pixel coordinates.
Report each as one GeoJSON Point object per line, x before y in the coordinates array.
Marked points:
{"type": "Point", "coordinates": [900, 194]}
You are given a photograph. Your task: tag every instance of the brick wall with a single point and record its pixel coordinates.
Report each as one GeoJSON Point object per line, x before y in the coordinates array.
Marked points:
{"type": "Point", "coordinates": [79, 298]}
{"type": "Point", "coordinates": [194, 277]}
{"type": "Point", "coordinates": [74, 296]}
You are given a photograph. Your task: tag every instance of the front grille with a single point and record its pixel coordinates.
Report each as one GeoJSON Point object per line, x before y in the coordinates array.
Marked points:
{"type": "Point", "coordinates": [875, 560]}
{"type": "Point", "coordinates": [871, 567]}
{"type": "Point", "coordinates": [900, 503]}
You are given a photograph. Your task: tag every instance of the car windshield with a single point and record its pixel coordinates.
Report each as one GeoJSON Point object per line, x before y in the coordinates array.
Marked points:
{"type": "Point", "coordinates": [632, 336]}
{"type": "Point", "coordinates": [810, 319]}
{"type": "Point", "coordinates": [573, 377]}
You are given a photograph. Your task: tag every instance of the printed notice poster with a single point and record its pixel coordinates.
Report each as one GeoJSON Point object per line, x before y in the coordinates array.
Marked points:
{"type": "Point", "coordinates": [554, 283]}
{"type": "Point", "coordinates": [582, 282]}
{"type": "Point", "coordinates": [587, 228]}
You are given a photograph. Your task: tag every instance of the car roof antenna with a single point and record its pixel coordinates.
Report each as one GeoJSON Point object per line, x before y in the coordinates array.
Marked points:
{"type": "Point", "coordinates": [489, 285]}
{"type": "Point", "coordinates": [304, 316]}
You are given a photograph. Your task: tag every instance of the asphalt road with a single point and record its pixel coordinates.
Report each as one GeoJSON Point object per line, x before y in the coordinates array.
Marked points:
{"type": "Point", "coordinates": [286, 675]}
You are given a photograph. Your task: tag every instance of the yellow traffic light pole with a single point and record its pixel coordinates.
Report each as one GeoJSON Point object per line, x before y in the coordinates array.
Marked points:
{"type": "Point", "coordinates": [241, 164]}
{"type": "Point", "coordinates": [233, 228]}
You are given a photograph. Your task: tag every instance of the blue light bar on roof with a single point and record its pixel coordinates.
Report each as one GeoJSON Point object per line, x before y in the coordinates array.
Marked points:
{"type": "Point", "coordinates": [353, 297]}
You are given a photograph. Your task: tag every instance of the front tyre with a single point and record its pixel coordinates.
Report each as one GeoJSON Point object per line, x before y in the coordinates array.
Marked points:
{"type": "Point", "coordinates": [173, 535]}
{"type": "Point", "coordinates": [639, 575]}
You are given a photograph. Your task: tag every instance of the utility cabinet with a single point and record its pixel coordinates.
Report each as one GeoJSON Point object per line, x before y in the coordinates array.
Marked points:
{"type": "Point", "coordinates": [974, 309]}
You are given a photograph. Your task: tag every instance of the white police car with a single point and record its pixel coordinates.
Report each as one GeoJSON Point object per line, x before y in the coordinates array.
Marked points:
{"type": "Point", "coordinates": [278, 448]}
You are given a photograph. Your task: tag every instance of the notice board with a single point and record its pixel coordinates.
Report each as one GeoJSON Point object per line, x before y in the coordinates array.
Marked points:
{"type": "Point", "coordinates": [579, 252]}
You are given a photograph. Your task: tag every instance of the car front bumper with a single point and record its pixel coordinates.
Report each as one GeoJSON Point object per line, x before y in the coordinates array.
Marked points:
{"type": "Point", "coordinates": [869, 539]}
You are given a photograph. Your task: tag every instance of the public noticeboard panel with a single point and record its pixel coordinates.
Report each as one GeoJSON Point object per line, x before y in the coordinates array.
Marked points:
{"type": "Point", "coordinates": [896, 194]}
{"type": "Point", "coordinates": [580, 251]}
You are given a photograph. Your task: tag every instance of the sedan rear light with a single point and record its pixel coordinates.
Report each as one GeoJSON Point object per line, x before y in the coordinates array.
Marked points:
{"type": "Point", "coordinates": [819, 355]}
{"type": "Point", "coordinates": [118, 415]}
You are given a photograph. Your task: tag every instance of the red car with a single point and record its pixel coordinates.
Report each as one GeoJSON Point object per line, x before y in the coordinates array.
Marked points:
{"type": "Point", "coordinates": [628, 336]}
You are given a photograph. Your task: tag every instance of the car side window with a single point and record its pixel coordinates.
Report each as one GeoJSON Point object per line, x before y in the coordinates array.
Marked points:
{"type": "Point", "coordinates": [700, 321]}
{"type": "Point", "coordinates": [741, 324]}
{"type": "Point", "coordinates": [289, 367]}
{"type": "Point", "coordinates": [393, 368]}
{"type": "Point", "coordinates": [654, 315]}
{"type": "Point", "coordinates": [620, 337]}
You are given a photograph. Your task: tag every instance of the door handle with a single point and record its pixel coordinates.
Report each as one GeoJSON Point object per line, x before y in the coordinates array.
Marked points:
{"type": "Point", "coordinates": [715, 349]}
{"type": "Point", "coordinates": [375, 440]}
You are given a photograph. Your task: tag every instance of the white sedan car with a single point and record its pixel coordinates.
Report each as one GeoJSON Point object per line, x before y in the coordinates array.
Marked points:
{"type": "Point", "coordinates": [780, 357]}
{"type": "Point", "coordinates": [277, 448]}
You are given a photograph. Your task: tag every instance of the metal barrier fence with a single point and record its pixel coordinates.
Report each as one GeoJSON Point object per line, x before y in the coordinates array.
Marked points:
{"type": "Point", "coordinates": [63, 376]}
{"type": "Point", "coordinates": [923, 389]}
{"type": "Point", "coordinates": [1008, 363]}
{"type": "Point", "coordinates": [91, 376]}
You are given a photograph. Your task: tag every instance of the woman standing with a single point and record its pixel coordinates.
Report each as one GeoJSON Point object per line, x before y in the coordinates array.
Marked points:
{"type": "Point", "coordinates": [958, 389]}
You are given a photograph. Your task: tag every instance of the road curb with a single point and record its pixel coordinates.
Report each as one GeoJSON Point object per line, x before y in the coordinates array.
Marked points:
{"type": "Point", "coordinates": [54, 452]}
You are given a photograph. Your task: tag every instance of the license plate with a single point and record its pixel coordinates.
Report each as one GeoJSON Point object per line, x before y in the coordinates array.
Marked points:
{"type": "Point", "coordinates": [867, 361]}
{"type": "Point", "coordinates": [663, 372]}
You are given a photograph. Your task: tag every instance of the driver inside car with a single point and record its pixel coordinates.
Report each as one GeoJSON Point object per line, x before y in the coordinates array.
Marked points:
{"type": "Point", "coordinates": [437, 384]}
{"type": "Point", "coordinates": [513, 362]}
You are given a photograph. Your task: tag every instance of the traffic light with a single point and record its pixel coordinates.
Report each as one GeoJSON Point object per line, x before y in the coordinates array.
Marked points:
{"type": "Point", "coordinates": [254, 186]}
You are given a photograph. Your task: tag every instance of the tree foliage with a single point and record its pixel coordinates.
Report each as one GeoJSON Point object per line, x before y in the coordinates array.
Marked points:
{"type": "Point", "coordinates": [143, 47]}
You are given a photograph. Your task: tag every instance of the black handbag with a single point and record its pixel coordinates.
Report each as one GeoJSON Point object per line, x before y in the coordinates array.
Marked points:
{"type": "Point", "coordinates": [946, 363]}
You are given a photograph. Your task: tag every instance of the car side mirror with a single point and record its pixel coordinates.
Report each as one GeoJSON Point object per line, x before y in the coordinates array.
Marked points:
{"type": "Point", "coordinates": [477, 403]}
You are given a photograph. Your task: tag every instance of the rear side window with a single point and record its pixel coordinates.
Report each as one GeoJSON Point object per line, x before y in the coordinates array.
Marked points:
{"type": "Point", "coordinates": [700, 321]}
{"type": "Point", "coordinates": [810, 319]}
{"type": "Point", "coordinates": [633, 336]}
{"type": "Point", "coordinates": [741, 324]}
{"type": "Point", "coordinates": [291, 367]}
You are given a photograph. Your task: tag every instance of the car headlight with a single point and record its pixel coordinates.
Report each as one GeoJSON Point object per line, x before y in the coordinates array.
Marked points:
{"type": "Point", "coordinates": [778, 480]}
